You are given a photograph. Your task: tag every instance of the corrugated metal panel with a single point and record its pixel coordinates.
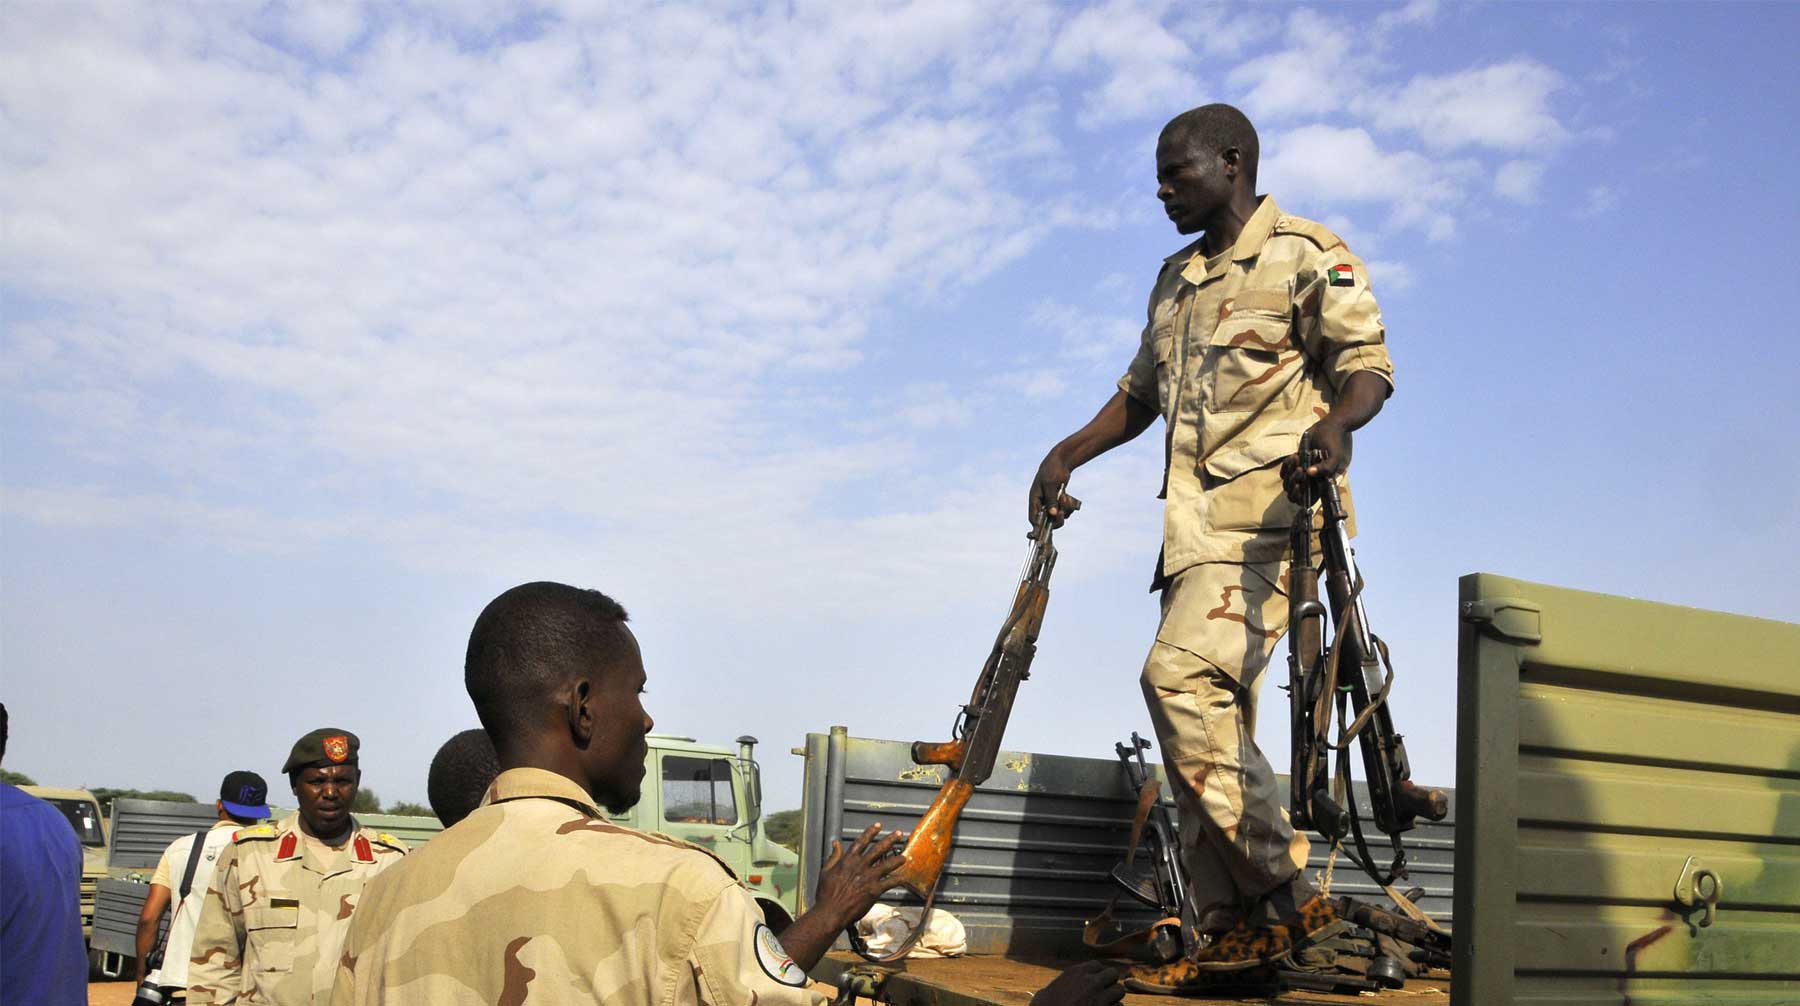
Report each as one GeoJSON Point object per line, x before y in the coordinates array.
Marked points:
{"type": "Point", "coordinates": [116, 914]}
{"type": "Point", "coordinates": [1036, 845]}
{"type": "Point", "coordinates": [414, 831]}
{"type": "Point", "coordinates": [1605, 746]}
{"type": "Point", "coordinates": [142, 829]}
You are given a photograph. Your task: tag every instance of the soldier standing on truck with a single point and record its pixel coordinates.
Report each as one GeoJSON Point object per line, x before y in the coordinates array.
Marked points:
{"type": "Point", "coordinates": [283, 894]}
{"type": "Point", "coordinates": [241, 804]}
{"type": "Point", "coordinates": [1259, 332]}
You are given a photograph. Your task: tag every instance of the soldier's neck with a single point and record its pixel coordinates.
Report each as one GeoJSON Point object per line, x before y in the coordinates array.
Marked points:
{"type": "Point", "coordinates": [342, 835]}
{"type": "Point", "coordinates": [1222, 231]}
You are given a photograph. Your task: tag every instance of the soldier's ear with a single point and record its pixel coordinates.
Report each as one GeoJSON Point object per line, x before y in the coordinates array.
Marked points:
{"type": "Point", "coordinates": [580, 712]}
{"type": "Point", "coordinates": [1233, 159]}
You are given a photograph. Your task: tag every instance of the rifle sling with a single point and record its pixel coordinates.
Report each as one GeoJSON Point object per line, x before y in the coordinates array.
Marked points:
{"type": "Point", "coordinates": [1090, 933]}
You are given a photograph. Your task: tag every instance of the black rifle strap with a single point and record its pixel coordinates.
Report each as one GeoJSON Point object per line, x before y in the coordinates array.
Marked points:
{"type": "Point", "coordinates": [187, 884]}
{"type": "Point", "coordinates": [1091, 933]}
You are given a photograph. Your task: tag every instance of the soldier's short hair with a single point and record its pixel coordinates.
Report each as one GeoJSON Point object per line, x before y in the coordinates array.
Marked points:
{"type": "Point", "coordinates": [533, 638]}
{"type": "Point", "coordinates": [461, 772]}
{"type": "Point", "coordinates": [1216, 128]}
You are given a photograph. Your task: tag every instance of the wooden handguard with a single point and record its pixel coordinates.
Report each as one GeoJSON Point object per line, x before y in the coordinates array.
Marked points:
{"type": "Point", "coordinates": [948, 753]}
{"type": "Point", "coordinates": [928, 846]}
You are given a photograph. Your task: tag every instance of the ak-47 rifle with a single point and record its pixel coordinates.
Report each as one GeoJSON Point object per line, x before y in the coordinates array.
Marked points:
{"type": "Point", "coordinates": [1355, 671]}
{"type": "Point", "coordinates": [975, 742]}
{"type": "Point", "coordinates": [1165, 889]}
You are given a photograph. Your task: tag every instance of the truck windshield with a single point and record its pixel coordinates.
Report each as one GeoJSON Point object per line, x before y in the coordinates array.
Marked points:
{"type": "Point", "coordinates": [698, 790]}
{"type": "Point", "coordinates": [84, 817]}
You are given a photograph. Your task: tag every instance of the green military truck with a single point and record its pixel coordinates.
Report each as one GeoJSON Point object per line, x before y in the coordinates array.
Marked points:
{"type": "Point", "coordinates": [711, 795]}
{"type": "Point", "coordinates": [83, 812]}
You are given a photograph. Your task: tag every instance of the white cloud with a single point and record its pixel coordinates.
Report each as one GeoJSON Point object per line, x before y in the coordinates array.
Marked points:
{"type": "Point", "coordinates": [1600, 199]}
{"type": "Point", "coordinates": [1146, 70]}
{"type": "Point", "coordinates": [1311, 78]}
{"type": "Point", "coordinates": [1505, 106]}
{"type": "Point", "coordinates": [1519, 181]}
{"type": "Point", "coordinates": [1337, 165]}
{"type": "Point", "coordinates": [1036, 383]}
{"type": "Point", "coordinates": [1084, 335]}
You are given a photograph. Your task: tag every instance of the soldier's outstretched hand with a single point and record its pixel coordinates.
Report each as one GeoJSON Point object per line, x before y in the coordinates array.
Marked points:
{"type": "Point", "coordinates": [1047, 491]}
{"type": "Point", "coordinates": [1089, 983]}
{"type": "Point", "coordinates": [853, 878]}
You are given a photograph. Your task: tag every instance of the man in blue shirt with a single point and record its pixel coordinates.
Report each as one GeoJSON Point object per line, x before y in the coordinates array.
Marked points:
{"type": "Point", "coordinates": [42, 958]}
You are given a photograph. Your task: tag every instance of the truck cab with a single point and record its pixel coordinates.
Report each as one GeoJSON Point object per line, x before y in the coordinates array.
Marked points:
{"type": "Point", "coordinates": [83, 813]}
{"type": "Point", "coordinates": [711, 795]}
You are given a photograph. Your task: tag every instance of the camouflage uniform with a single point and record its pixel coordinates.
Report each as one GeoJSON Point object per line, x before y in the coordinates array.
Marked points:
{"type": "Point", "coordinates": [274, 919]}
{"type": "Point", "coordinates": [1243, 353]}
{"type": "Point", "coordinates": [537, 898]}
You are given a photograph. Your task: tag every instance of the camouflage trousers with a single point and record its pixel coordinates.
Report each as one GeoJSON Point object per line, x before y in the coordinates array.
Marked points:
{"type": "Point", "coordinates": [1220, 623]}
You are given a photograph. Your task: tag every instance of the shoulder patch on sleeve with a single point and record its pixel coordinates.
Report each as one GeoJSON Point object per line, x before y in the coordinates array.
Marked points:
{"type": "Point", "coordinates": [1317, 233]}
{"type": "Point", "coordinates": [776, 962]}
{"type": "Point", "coordinates": [254, 833]}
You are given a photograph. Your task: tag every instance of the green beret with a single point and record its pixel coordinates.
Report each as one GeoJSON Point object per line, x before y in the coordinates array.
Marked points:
{"type": "Point", "coordinates": [323, 747]}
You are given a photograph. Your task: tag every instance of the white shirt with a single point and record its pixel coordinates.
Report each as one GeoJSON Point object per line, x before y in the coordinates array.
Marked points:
{"type": "Point", "coordinates": [187, 912]}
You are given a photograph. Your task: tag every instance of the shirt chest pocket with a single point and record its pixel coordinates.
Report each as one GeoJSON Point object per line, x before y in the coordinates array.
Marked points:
{"type": "Point", "coordinates": [273, 934]}
{"type": "Point", "coordinates": [1253, 353]}
{"type": "Point", "coordinates": [1162, 349]}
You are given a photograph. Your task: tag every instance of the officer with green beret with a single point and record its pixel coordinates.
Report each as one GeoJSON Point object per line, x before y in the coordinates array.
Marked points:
{"type": "Point", "coordinates": [273, 922]}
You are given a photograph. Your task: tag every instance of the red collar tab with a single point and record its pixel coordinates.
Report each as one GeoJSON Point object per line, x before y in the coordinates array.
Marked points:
{"type": "Point", "coordinates": [290, 846]}
{"type": "Point", "coordinates": [364, 852]}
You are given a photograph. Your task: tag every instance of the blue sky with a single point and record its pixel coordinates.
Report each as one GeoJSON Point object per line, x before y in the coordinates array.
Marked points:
{"type": "Point", "coordinates": [324, 324]}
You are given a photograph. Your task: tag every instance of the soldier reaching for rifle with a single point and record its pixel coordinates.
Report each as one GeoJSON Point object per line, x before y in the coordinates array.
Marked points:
{"type": "Point", "coordinates": [536, 897]}
{"type": "Point", "coordinates": [1260, 331]}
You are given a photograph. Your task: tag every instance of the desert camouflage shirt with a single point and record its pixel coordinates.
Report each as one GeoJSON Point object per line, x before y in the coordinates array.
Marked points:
{"type": "Point", "coordinates": [273, 922]}
{"type": "Point", "coordinates": [536, 898]}
{"type": "Point", "coordinates": [1242, 354]}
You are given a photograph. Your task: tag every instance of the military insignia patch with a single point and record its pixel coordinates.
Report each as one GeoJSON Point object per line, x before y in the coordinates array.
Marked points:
{"type": "Point", "coordinates": [1342, 275]}
{"type": "Point", "coordinates": [775, 960]}
{"type": "Point", "coordinates": [337, 746]}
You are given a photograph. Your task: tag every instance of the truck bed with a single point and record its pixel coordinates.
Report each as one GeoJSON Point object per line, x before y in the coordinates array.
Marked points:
{"type": "Point", "coordinates": [984, 980]}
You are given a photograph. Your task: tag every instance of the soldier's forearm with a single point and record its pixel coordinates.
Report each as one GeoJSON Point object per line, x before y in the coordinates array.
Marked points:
{"type": "Point", "coordinates": [1358, 401]}
{"type": "Point", "coordinates": [810, 935]}
{"type": "Point", "coordinates": [1119, 421]}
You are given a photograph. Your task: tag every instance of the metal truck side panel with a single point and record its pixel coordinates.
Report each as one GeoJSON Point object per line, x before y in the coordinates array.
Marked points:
{"type": "Point", "coordinates": [1035, 848]}
{"type": "Point", "coordinates": [1631, 774]}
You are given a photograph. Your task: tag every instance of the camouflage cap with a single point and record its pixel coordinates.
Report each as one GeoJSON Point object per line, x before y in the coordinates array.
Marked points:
{"type": "Point", "coordinates": [324, 746]}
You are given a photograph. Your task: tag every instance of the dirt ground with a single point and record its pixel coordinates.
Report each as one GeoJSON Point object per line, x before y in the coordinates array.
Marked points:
{"type": "Point", "coordinates": [110, 993]}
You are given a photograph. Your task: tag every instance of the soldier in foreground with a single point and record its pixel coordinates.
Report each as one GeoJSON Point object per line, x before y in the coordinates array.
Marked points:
{"type": "Point", "coordinates": [1260, 331]}
{"type": "Point", "coordinates": [536, 897]}
{"type": "Point", "coordinates": [282, 895]}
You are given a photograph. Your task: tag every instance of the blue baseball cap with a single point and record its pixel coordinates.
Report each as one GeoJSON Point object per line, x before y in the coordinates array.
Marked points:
{"type": "Point", "coordinates": [245, 794]}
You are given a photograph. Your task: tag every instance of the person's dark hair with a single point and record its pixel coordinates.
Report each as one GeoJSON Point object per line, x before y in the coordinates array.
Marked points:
{"type": "Point", "coordinates": [1216, 128]}
{"type": "Point", "coordinates": [245, 821]}
{"type": "Point", "coordinates": [5, 728]}
{"type": "Point", "coordinates": [531, 639]}
{"type": "Point", "coordinates": [461, 772]}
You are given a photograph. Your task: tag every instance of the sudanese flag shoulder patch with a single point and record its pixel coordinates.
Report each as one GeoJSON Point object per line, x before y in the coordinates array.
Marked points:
{"type": "Point", "coordinates": [775, 960]}
{"type": "Point", "coordinates": [1342, 275]}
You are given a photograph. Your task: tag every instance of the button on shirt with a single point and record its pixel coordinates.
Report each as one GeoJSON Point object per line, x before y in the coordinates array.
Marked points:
{"type": "Point", "coordinates": [1242, 353]}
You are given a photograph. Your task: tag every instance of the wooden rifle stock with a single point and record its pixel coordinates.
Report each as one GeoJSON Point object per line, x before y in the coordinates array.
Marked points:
{"type": "Point", "coordinates": [971, 754]}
